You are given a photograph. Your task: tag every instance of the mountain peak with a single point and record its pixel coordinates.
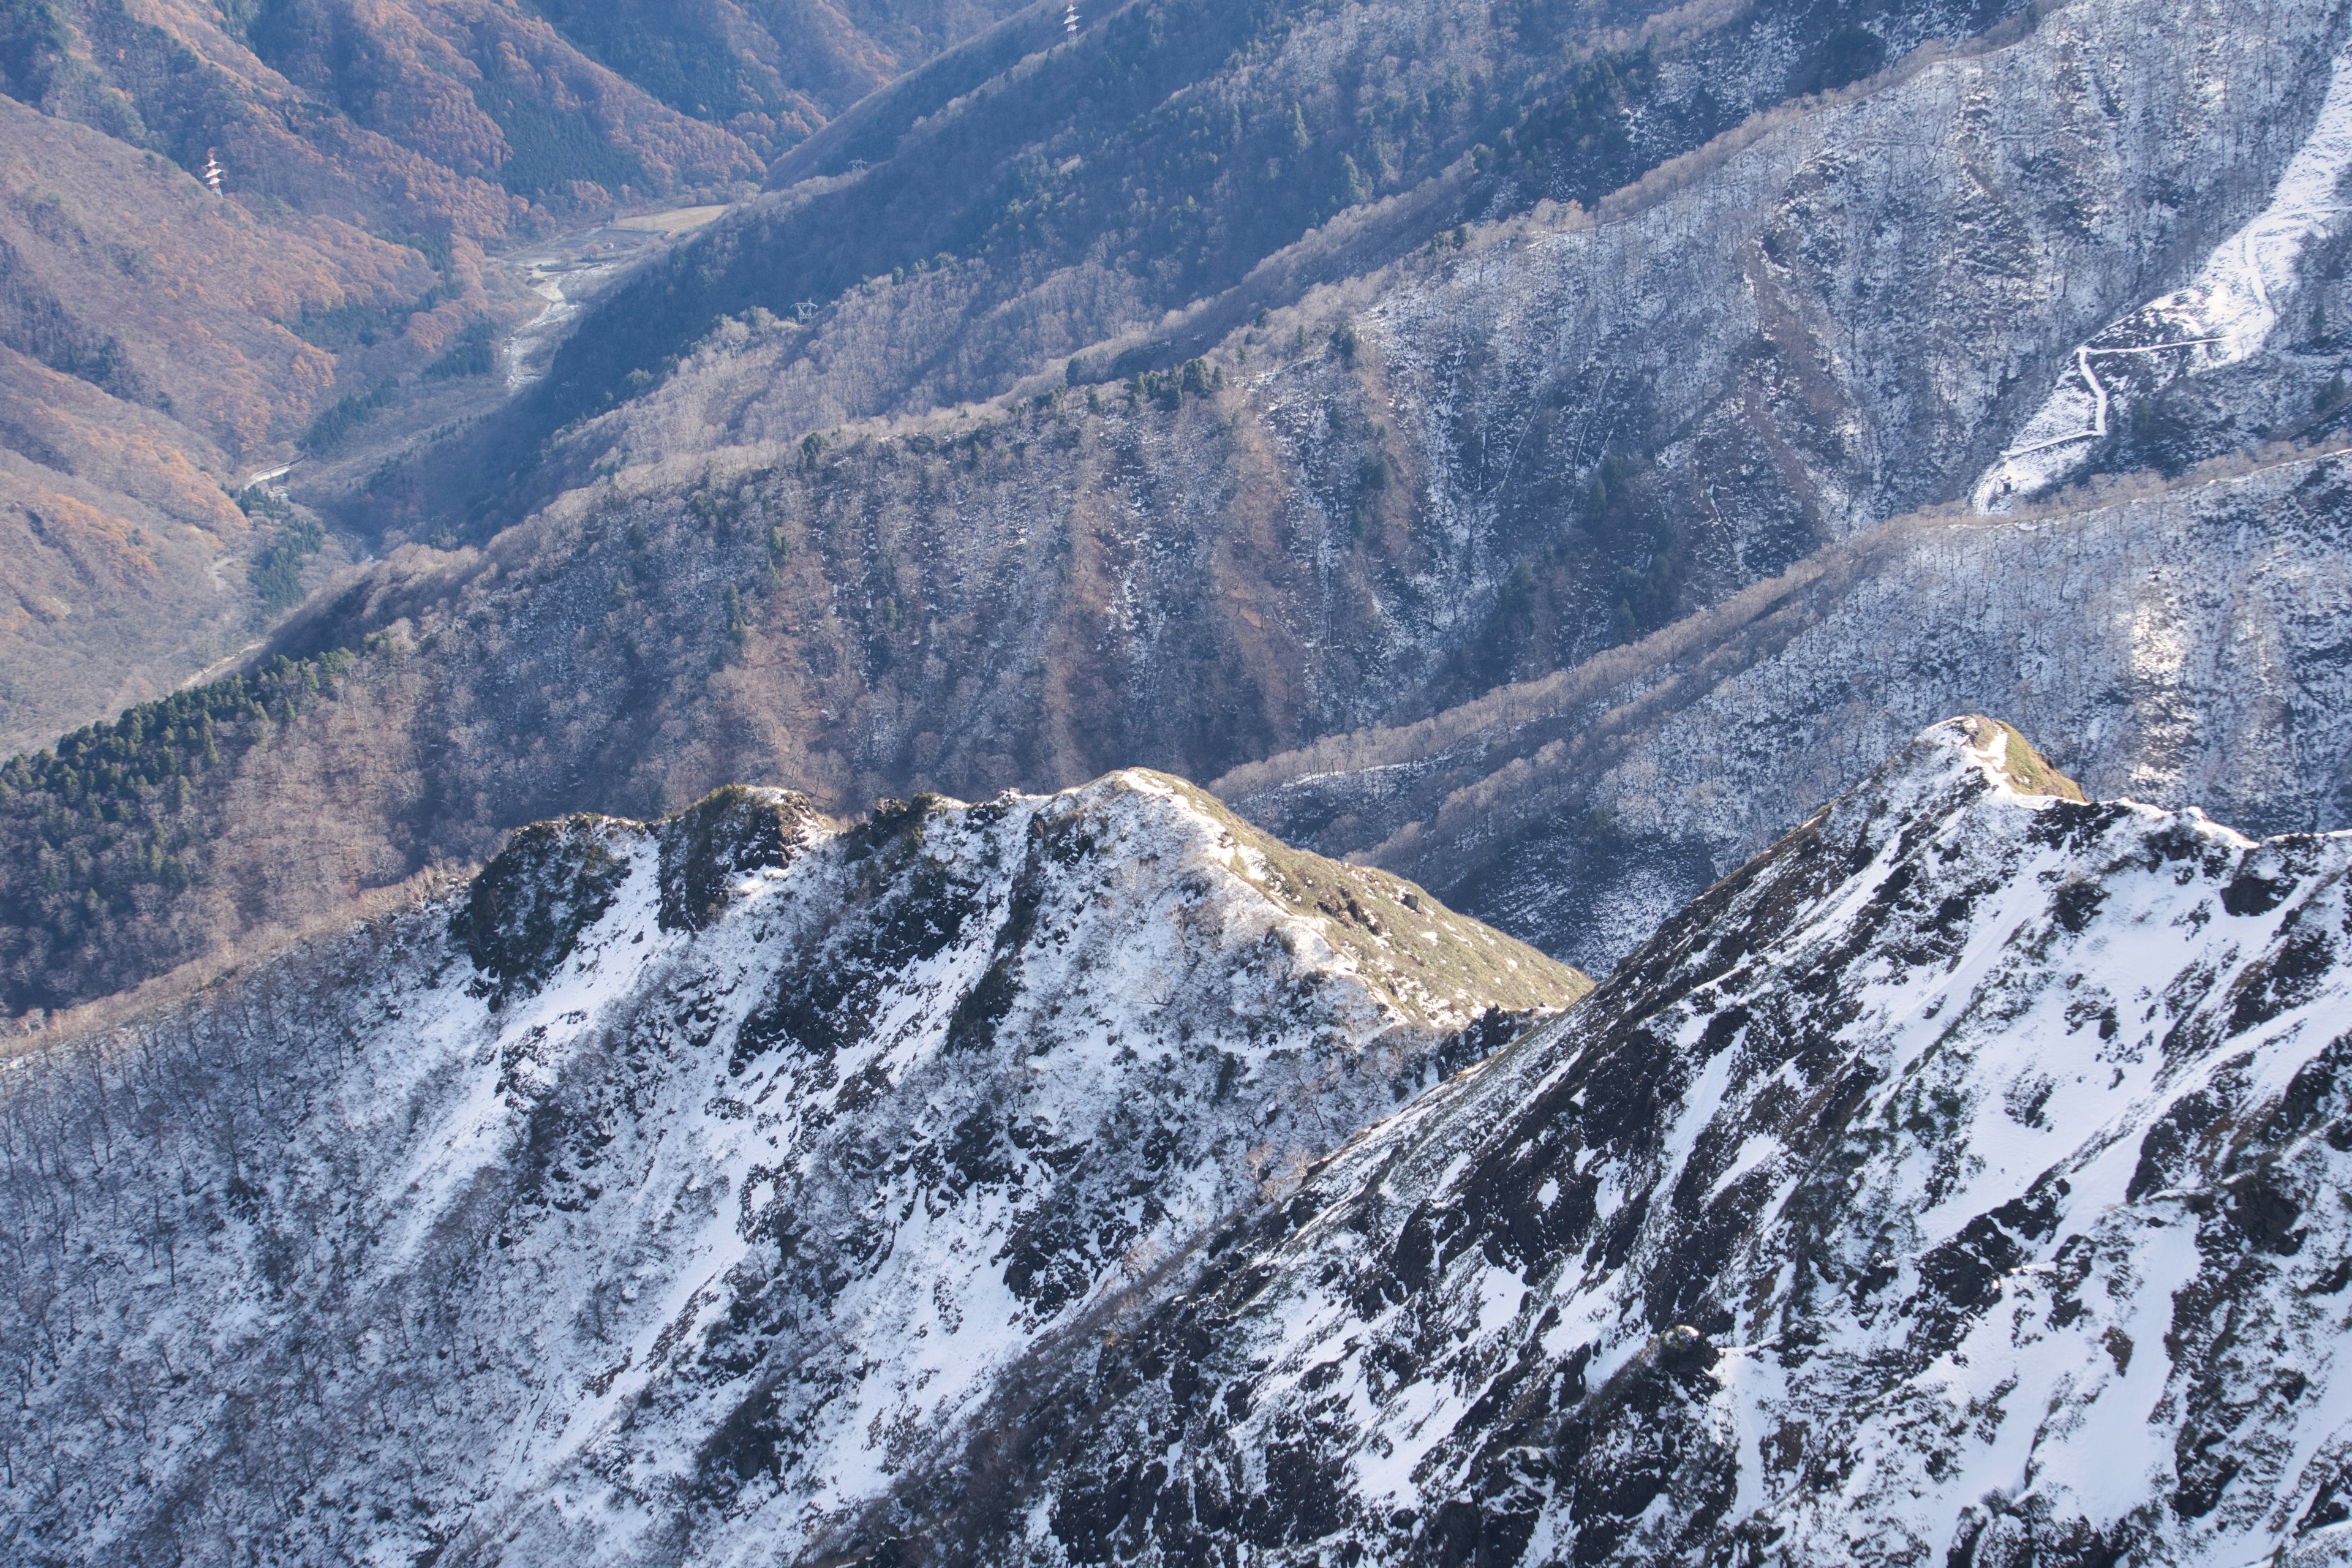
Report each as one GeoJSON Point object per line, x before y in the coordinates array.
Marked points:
{"type": "Point", "coordinates": [720, 1166]}
{"type": "Point", "coordinates": [2008, 758]}
{"type": "Point", "coordinates": [1946, 1150]}
{"type": "Point", "coordinates": [1956, 761]}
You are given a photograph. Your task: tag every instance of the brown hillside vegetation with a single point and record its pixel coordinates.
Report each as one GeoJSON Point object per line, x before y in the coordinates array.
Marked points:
{"type": "Point", "coordinates": [1359, 511]}
{"type": "Point", "coordinates": [423, 119]}
{"type": "Point", "coordinates": [158, 345]}
{"type": "Point", "coordinates": [126, 272]}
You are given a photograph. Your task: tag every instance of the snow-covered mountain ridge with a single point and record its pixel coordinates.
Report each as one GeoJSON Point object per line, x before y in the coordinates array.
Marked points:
{"type": "Point", "coordinates": [1967, 1180]}
{"type": "Point", "coordinates": [678, 1182]}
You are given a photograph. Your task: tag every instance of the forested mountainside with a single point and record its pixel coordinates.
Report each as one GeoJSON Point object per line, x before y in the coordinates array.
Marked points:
{"type": "Point", "coordinates": [682, 1174]}
{"type": "Point", "coordinates": [1541, 435]}
{"type": "Point", "coordinates": [2186, 644]}
{"type": "Point", "coordinates": [1493, 462]}
{"type": "Point", "coordinates": [159, 346]}
{"type": "Point", "coordinates": [955, 271]}
{"type": "Point", "coordinates": [1151, 161]}
{"type": "Point", "coordinates": [465, 117]}
{"type": "Point", "coordinates": [1963, 1181]}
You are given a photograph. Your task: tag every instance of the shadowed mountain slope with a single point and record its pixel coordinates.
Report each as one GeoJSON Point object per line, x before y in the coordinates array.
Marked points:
{"type": "Point", "coordinates": [1033, 197]}
{"type": "Point", "coordinates": [1481, 464]}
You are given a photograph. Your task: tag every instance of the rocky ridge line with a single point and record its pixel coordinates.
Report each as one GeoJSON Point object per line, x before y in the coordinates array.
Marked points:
{"type": "Point", "coordinates": [677, 1182]}
{"type": "Point", "coordinates": [1964, 1180]}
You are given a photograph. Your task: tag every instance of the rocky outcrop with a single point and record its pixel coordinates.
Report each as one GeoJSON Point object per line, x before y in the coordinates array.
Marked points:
{"type": "Point", "coordinates": [712, 1169]}
{"type": "Point", "coordinates": [1087, 1178]}
{"type": "Point", "coordinates": [1963, 1180]}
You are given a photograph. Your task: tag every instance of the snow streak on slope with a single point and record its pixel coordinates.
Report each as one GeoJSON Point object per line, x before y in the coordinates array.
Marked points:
{"type": "Point", "coordinates": [2222, 317]}
{"type": "Point", "coordinates": [681, 1182]}
{"type": "Point", "coordinates": [1968, 1180]}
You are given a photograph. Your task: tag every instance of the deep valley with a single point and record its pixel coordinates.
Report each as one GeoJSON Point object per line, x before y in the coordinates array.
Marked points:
{"type": "Point", "coordinates": [1182, 781]}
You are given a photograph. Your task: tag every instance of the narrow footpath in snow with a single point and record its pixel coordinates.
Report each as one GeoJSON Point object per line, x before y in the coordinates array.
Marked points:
{"type": "Point", "coordinates": [2223, 318]}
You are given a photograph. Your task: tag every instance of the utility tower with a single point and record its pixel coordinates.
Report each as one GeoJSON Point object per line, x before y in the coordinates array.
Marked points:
{"type": "Point", "coordinates": [1070, 19]}
{"type": "Point", "coordinates": [211, 173]}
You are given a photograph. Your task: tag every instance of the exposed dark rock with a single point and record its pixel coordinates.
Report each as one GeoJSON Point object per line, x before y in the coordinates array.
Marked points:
{"type": "Point", "coordinates": [524, 915]}
{"type": "Point", "coordinates": [721, 838]}
{"type": "Point", "coordinates": [1828, 1196]}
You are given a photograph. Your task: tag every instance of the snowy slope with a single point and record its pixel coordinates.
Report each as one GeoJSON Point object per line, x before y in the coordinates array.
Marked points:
{"type": "Point", "coordinates": [2183, 648]}
{"type": "Point", "coordinates": [2224, 317]}
{"type": "Point", "coordinates": [661, 1194]}
{"type": "Point", "coordinates": [1968, 1180]}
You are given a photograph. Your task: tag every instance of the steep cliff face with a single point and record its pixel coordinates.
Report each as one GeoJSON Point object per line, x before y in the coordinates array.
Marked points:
{"type": "Point", "coordinates": [2183, 645]}
{"type": "Point", "coordinates": [675, 1184]}
{"type": "Point", "coordinates": [1964, 1180]}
